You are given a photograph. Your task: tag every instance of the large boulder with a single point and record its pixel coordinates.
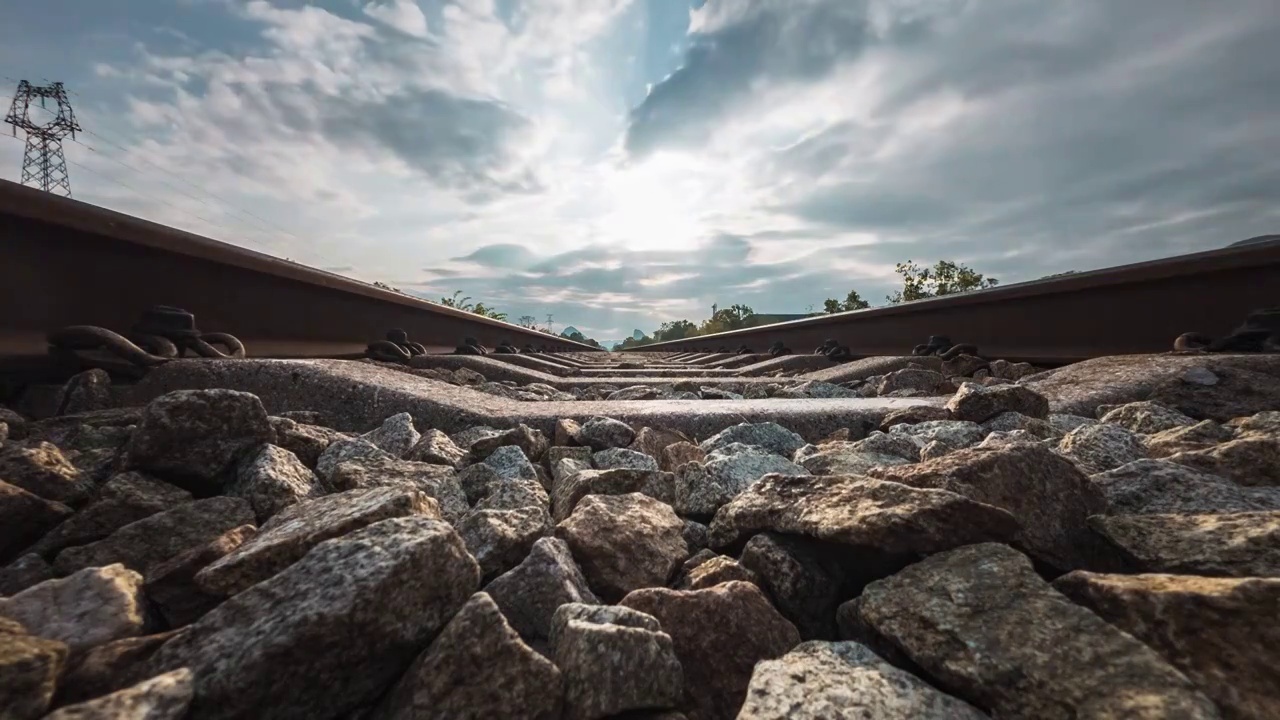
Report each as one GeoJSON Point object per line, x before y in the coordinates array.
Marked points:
{"type": "Point", "coordinates": [530, 593]}
{"type": "Point", "coordinates": [288, 536]}
{"type": "Point", "coordinates": [1220, 632]}
{"type": "Point", "coordinates": [719, 634]}
{"type": "Point", "coordinates": [193, 438]}
{"type": "Point", "coordinates": [624, 542]}
{"type": "Point", "coordinates": [986, 627]}
{"type": "Point", "coordinates": [821, 680]}
{"type": "Point", "coordinates": [145, 543]}
{"type": "Point", "coordinates": [84, 609]}
{"type": "Point", "coordinates": [1048, 496]}
{"type": "Point", "coordinates": [477, 667]}
{"type": "Point", "coordinates": [1220, 545]}
{"type": "Point", "coordinates": [614, 659]}
{"type": "Point", "coordinates": [851, 510]}
{"type": "Point", "coordinates": [378, 594]}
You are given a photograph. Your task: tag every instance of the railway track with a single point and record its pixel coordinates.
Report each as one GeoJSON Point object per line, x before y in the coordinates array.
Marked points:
{"type": "Point", "coordinates": [1139, 308]}
{"type": "Point", "coordinates": [723, 507]}
{"type": "Point", "coordinates": [65, 263]}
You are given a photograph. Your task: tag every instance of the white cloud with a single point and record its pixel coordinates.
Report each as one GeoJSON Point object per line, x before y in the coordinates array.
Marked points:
{"type": "Point", "coordinates": [798, 149]}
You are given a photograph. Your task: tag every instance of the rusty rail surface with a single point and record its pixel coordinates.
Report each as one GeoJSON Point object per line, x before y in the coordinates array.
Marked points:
{"type": "Point", "coordinates": [64, 262]}
{"type": "Point", "coordinates": [1138, 308]}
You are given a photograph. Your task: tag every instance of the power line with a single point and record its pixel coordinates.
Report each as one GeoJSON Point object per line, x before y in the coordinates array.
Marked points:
{"type": "Point", "coordinates": [43, 162]}
{"type": "Point", "coordinates": [263, 223]}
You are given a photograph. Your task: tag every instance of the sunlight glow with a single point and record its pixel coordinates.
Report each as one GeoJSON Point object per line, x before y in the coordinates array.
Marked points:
{"type": "Point", "coordinates": [654, 205]}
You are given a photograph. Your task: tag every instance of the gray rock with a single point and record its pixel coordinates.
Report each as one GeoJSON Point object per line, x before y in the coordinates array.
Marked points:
{"type": "Point", "coordinates": [703, 489]}
{"type": "Point", "coordinates": [1050, 498]}
{"type": "Point", "coordinates": [143, 544]}
{"type": "Point", "coordinates": [710, 393]}
{"type": "Point", "coordinates": [635, 392]}
{"type": "Point", "coordinates": [86, 608]}
{"type": "Point", "coordinates": [851, 510]}
{"type": "Point", "coordinates": [567, 493]}
{"type": "Point", "coordinates": [513, 495]}
{"type": "Point", "coordinates": [602, 433]}
{"type": "Point", "coordinates": [1154, 487]}
{"type": "Point", "coordinates": [623, 458]}
{"type": "Point", "coordinates": [719, 634]}
{"type": "Point", "coordinates": [532, 443]}
{"type": "Point", "coordinates": [624, 542]}
{"type": "Point", "coordinates": [479, 480]}
{"type": "Point", "coordinates": [171, 586]}
{"type": "Point", "coordinates": [768, 436]}
{"type": "Point", "coordinates": [510, 462]}
{"type": "Point", "coordinates": [1200, 436]}
{"type": "Point", "coordinates": [164, 697]}
{"type": "Point", "coordinates": [953, 434]}
{"type": "Point", "coordinates": [477, 667]}
{"type": "Point", "coordinates": [43, 470]}
{"type": "Point", "coordinates": [307, 442]}
{"type": "Point", "coordinates": [1143, 417]}
{"type": "Point", "coordinates": [899, 444]}
{"type": "Point", "coordinates": [695, 535]}
{"type": "Point", "coordinates": [679, 453]}
{"type": "Point", "coordinates": [1220, 632]}
{"type": "Point", "coordinates": [193, 438]}
{"type": "Point", "coordinates": [1222, 545]}
{"type": "Point", "coordinates": [652, 441]}
{"type": "Point", "coordinates": [1251, 460]}
{"type": "Point", "coordinates": [28, 570]}
{"type": "Point", "coordinates": [436, 448]}
{"type": "Point", "coordinates": [837, 680]}
{"type": "Point", "coordinates": [396, 436]}
{"type": "Point", "coordinates": [707, 569]}
{"type": "Point", "coordinates": [289, 535]}
{"type": "Point", "coordinates": [271, 479]}
{"type": "Point", "coordinates": [1065, 423]}
{"type": "Point", "coordinates": [347, 450]}
{"type": "Point", "coordinates": [614, 659]}
{"type": "Point", "coordinates": [25, 517]}
{"type": "Point", "coordinates": [500, 539]}
{"type": "Point", "coordinates": [1266, 422]}
{"type": "Point", "coordinates": [840, 458]}
{"type": "Point", "coordinates": [387, 589]}
{"type": "Point", "coordinates": [986, 627]}
{"type": "Point", "coordinates": [978, 403]}
{"type": "Point", "coordinates": [921, 380]}
{"type": "Point", "coordinates": [1010, 421]}
{"type": "Point", "coordinates": [466, 438]}
{"type": "Point", "coordinates": [556, 453]}
{"type": "Point", "coordinates": [438, 482]}
{"type": "Point", "coordinates": [805, 586]}
{"type": "Point", "coordinates": [109, 667]}
{"type": "Point", "coordinates": [30, 667]}
{"type": "Point", "coordinates": [125, 498]}
{"type": "Point", "coordinates": [1102, 447]}
{"type": "Point", "coordinates": [1001, 438]}
{"type": "Point", "coordinates": [529, 593]}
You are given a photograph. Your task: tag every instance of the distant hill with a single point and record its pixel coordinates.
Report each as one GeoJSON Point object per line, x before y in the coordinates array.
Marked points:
{"type": "Point", "coordinates": [1260, 240]}
{"type": "Point", "coordinates": [637, 335]}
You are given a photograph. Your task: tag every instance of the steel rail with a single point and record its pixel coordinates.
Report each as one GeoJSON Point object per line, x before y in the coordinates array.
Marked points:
{"type": "Point", "coordinates": [1130, 309]}
{"type": "Point", "coordinates": [65, 262]}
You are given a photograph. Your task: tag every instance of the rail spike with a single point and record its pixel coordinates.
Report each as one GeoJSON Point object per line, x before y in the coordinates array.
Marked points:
{"type": "Point", "coordinates": [397, 348]}
{"type": "Point", "coordinates": [1260, 332]}
{"type": "Point", "coordinates": [162, 333]}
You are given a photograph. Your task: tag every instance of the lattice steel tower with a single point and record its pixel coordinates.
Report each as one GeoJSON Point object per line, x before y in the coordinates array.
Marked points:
{"type": "Point", "coordinates": [43, 164]}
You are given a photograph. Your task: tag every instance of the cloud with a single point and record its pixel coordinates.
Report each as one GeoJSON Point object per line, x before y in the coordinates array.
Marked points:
{"type": "Point", "coordinates": [619, 163]}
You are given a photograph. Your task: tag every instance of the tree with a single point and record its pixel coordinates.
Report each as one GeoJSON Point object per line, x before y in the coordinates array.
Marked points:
{"type": "Point", "coordinates": [454, 302]}
{"type": "Point", "coordinates": [852, 301]}
{"type": "Point", "coordinates": [480, 309]}
{"type": "Point", "coordinates": [528, 321]}
{"type": "Point", "coordinates": [944, 278]}
{"type": "Point", "coordinates": [733, 317]}
{"type": "Point", "coordinates": [675, 330]}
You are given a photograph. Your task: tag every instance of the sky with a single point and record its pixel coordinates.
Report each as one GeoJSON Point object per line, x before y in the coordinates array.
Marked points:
{"type": "Point", "coordinates": [620, 163]}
